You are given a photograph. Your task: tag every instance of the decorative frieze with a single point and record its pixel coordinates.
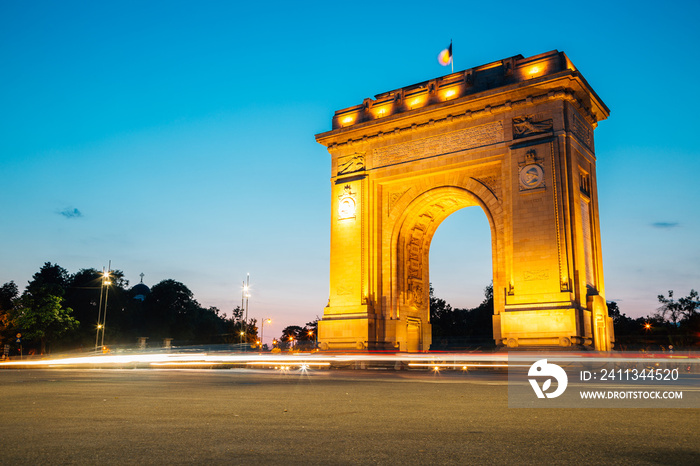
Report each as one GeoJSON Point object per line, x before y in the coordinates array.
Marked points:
{"type": "Point", "coordinates": [464, 139]}
{"type": "Point", "coordinates": [582, 130]}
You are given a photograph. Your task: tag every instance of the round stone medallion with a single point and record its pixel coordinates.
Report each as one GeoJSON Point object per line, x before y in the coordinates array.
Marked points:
{"type": "Point", "coordinates": [531, 176]}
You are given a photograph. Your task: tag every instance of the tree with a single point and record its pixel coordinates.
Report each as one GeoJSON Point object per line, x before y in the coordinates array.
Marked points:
{"type": "Point", "coordinates": [683, 309]}
{"type": "Point", "coordinates": [234, 326]}
{"type": "Point", "coordinates": [290, 334]}
{"type": "Point", "coordinates": [43, 318]}
{"type": "Point", "coordinates": [39, 313]}
{"type": "Point", "coordinates": [209, 325]}
{"type": "Point", "coordinates": [481, 317]}
{"type": "Point", "coordinates": [172, 312]}
{"type": "Point", "coordinates": [167, 310]}
{"type": "Point", "coordinates": [252, 331]}
{"type": "Point", "coordinates": [8, 297]}
{"type": "Point", "coordinates": [300, 337]}
{"type": "Point", "coordinates": [622, 324]}
{"type": "Point", "coordinates": [462, 327]}
{"type": "Point", "coordinates": [8, 294]}
{"type": "Point", "coordinates": [237, 314]}
{"type": "Point", "coordinates": [439, 309]}
{"type": "Point", "coordinates": [51, 279]}
{"type": "Point", "coordinates": [312, 329]}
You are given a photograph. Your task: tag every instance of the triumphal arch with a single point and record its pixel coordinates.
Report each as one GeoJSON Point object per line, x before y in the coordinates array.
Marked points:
{"type": "Point", "coordinates": [513, 137]}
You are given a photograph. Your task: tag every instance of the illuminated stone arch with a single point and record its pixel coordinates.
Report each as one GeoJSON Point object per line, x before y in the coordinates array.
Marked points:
{"type": "Point", "coordinates": [514, 137]}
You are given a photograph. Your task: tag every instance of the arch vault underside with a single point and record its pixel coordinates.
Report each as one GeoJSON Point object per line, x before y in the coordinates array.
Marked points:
{"type": "Point", "coordinates": [521, 149]}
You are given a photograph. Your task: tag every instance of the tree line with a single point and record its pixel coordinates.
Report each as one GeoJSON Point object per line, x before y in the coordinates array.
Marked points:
{"type": "Point", "coordinates": [299, 338]}
{"type": "Point", "coordinates": [60, 310]}
{"type": "Point", "coordinates": [675, 323]}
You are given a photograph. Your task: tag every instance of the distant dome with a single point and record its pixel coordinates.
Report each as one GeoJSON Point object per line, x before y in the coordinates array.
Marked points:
{"type": "Point", "coordinates": [140, 291]}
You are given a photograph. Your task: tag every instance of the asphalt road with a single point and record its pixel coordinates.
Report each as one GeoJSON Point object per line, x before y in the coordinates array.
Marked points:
{"type": "Point", "coordinates": [332, 417]}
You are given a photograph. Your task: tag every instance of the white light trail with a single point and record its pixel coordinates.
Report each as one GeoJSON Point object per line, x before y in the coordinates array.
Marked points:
{"type": "Point", "coordinates": [320, 360]}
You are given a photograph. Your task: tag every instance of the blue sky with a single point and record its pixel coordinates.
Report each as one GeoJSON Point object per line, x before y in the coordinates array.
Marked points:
{"type": "Point", "coordinates": [177, 138]}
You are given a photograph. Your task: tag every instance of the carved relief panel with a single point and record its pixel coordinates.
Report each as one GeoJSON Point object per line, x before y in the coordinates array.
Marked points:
{"type": "Point", "coordinates": [351, 163]}
{"type": "Point", "coordinates": [530, 125]}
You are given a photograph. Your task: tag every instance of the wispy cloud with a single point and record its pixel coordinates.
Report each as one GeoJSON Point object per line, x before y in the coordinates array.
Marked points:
{"type": "Point", "coordinates": [665, 224]}
{"type": "Point", "coordinates": [71, 212]}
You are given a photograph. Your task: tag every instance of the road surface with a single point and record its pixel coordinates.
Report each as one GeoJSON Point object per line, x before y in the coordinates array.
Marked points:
{"type": "Point", "coordinates": [240, 416]}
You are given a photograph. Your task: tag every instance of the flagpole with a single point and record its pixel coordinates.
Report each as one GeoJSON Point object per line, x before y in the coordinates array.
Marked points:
{"type": "Point", "coordinates": [452, 62]}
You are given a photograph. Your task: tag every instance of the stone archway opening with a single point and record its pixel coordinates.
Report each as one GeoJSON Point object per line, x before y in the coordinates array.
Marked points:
{"type": "Point", "coordinates": [461, 273]}
{"type": "Point", "coordinates": [413, 238]}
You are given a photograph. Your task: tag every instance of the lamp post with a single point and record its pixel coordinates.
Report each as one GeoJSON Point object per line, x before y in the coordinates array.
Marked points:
{"type": "Point", "coordinates": [247, 297]}
{"type": "Point", "coordinates": [102, 316]}
{"type": "Point", "coordinates": [99, 311]}
{"type": "Point", "coordinates": [262, 331]}
{"type": "Point", "coordinates": [244, 300]}
{"type": "Point", "coordinates": [243, 290]}
{"type": "Point", "coordinates": [107, 282]}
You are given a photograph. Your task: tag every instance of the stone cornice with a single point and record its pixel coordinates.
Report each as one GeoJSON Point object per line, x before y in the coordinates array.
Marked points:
{"type": "Point", "coordinates": [475, 97]}
{"type": "Point", "coordinates": [371, 131]}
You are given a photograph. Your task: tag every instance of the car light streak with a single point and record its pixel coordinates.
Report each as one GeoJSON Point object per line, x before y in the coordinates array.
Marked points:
{"type": "Point", "coordinates": [330, 359]}
{"type": "Point", "coordinates": [187, 363]}
{"type": "Point", "coordinates": [278, 362]}
{"type": "Point", "coordinates": [462, 366]}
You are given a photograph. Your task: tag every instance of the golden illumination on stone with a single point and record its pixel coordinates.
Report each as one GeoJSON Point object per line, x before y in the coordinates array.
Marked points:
{"type": "Point", "coordinates": [381, 111]}
{"type": "Point", "coordinates": [450, 94]}
{"type": "Point", "coordinates": [346, 209]}
{"type": "Point", "coordinates": [517, 151]}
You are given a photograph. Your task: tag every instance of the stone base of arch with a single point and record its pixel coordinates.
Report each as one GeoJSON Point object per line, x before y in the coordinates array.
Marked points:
{"type": "Point", "coordinates": [541, 328]}
{"type": "Point", "coordinates": [374, 334]}
{"type": "Point", "coordinates": [553, 328]}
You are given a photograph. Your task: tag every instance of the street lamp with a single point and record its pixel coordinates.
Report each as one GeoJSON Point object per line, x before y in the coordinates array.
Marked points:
{"type": "Point", "coordinates": [311, 334]}
{"type": "Point", "coordinates": [262, 331]}
{"type": "Point", "coordinates": [102, 316]}
{"type": "Point", "coordinates": [244, 300]}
